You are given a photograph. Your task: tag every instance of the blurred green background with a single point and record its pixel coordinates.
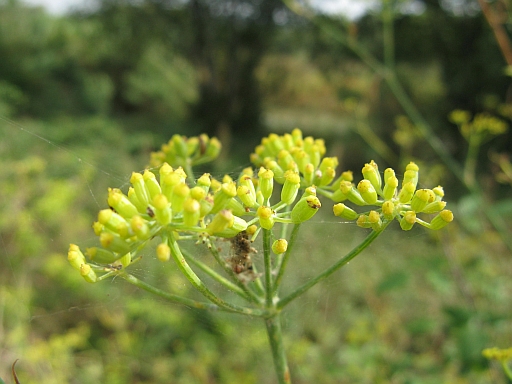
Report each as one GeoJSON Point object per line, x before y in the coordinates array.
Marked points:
{"type": "Point", "coordinates": [84, 99]}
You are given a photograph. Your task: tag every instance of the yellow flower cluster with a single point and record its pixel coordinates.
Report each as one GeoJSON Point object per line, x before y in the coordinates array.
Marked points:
{"type": "Point", "coordinates": [173, 205]}
{"type": "Point", "coordinates": [303, 157]}
{"type": "Point", "coordinates": [169, 204]}
{"type": "Point", "coordinates": [402, 204]}
{"type": "Point", "coordinates": [498, 354]}
{"type": "Point", "coordinates": [483, 124]}
{"type": "Point", "coordinates": [183, 151]}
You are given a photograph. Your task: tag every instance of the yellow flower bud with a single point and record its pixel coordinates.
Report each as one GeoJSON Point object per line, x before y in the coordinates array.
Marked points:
{"type": "Point", "coordinates": [390, 187]}
{"type": "Point", "coordinates": [290, 187]}
{"type": "Point", "coordinates": [101, 255]}
{"type": "Point", "coordinates": [441, 220]}
{"type": "Point", "coordinates": [88, 273]}
{"type": "Point", "coordinates": [238, 225]}
{"type": "Point", "coordinates": [168, 182]}
{"type": "Point", "coordinates": [213, 149]}
{"type": "Point", "coordinates": [362, 221]}
{"type": "Point", "coordinates": [179, 195]}
{"type": "Point", "coordinates": [163, 211]}
{"type": "Point", "coordinates": [191, 212]}
{"type": "Point", "coordinates": [75, 257]}
{"type": "Point", "coordinates": [375, 220]}
{"type": "Point", "coordinates": [408, 220]}
{"type": "Point", "coordinates": [266, 180]}
{"type": "Point", "coordinates": [222, 220]}
{"type": "Point", "coordinates": [284, 159]}
{"type": "Point", "coordinates": [114, 243]}
{"type": "Point", "coordinates": [163, 252]}
{"type": "Point", "coordinates": [388, 210]}
{"type": "Point", "coordinates": [371, 173]}
{"type": "Point", "coordinates": [305, 209]}
{"type": "Point", "coordinates": [204, 182]}
{"type": "Point", "coordinates": [198, 193]}
{"type": "Point", "coordinates": [165, 169]}
{"type": "Point", "coordinates": [406, 193]}
{"type": "Point", "coordinates": [121, 203]}
{"type": "Point", "coordinates": [353, 195]}
{"type": "Point", "coordinates": [265, 214]}
{"type": "Point", "coordinates": [279, 246]}
{"type": "Point", "coordinates": [327, 177]}
{"type": "Point", "coordinates": [341, 210]}
{"type": "Point", "coordinates": [137, 182]}
{"type": "Point", "coordinates": [113, 221]}
{"type": "Point", "coordinates": [223, 195]}
{"type": "Point", "coordinates": [389, 172]}
{"type": "Point", "coordinates": [439, 192]}
{"type": "Point", "coordinates": [367, 191]}
{"type": "Point", "coordinates": [251, 229]}
{"type": "Point", "coordinates": [244, 194]}
{"type": "Point", "coordinates": [152, 186]}
{"type": "Point", "coordinates": [421, 198]}
{"type": "Point", "coordinates": [278, 171]}
{"type": "Point", "coordinates": [132, 196]}
{"type": "Point", "coordinates": [434, 207]}
{"type": "Point", "coordinates": [140, 227]}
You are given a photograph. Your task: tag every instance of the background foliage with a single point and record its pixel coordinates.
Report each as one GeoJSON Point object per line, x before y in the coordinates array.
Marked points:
{"type": "Point", "coordinates": [85, 97]}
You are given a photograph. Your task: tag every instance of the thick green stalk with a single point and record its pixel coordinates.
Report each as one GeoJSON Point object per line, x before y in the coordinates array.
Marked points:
{"type": "Point", "coordinates": [275, 338]}
{"type": "Point", "coordinates": [329, 271]}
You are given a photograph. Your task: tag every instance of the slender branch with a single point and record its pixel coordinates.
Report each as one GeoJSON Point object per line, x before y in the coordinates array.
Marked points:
{"type": "Point", "coordinates": [329, 271]}
{"type": "Point", "coordinates": [275, 339]}
{"type": "Point", "coordinates": [284, 261]}
{"type": "Point", "coordinates": [506, 368]}
{"type": "Point", "coordinates": [268, 267]}
{"type": "Point", "coordinates": [170, 297]}
{"type": "Point", "coordinates": [197, 282]}
{"type": "Point", "coordinates": [214, 275]}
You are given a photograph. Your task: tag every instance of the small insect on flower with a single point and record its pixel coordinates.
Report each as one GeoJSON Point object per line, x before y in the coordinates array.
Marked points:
{"type": "Point", "coordinates": [240, 260]}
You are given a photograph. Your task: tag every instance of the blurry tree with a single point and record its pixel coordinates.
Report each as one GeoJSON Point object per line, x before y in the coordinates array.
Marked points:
{"type": "Point", "coordinates": [224, 40]}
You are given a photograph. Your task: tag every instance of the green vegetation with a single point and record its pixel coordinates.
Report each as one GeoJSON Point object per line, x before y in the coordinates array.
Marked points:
{"type": "Point", "coordinates": [85, 98]}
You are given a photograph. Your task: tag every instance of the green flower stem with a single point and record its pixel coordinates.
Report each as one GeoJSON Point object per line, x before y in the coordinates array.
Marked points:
{"type": "Point", "coordinates": [329, 271]}
{"type": "Point", "coordinates": [269, 293]}
{"type": "Point", "coordinates": [506, 368]}
{"type": "Point", "coordinates": [275, 339]}
{"type": "Point", "coordinates": [214, 275]}
{"type": "Point", "coordinates": [286, 257]}
{"type": "Point", "coordinates": [198, 284]}
{"type": "Point", "coordinates": [254, 296]}
{"type": "Point", "coordinates": [169, 296]}
{"type": "Point", "coordinates": [471, 159]}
